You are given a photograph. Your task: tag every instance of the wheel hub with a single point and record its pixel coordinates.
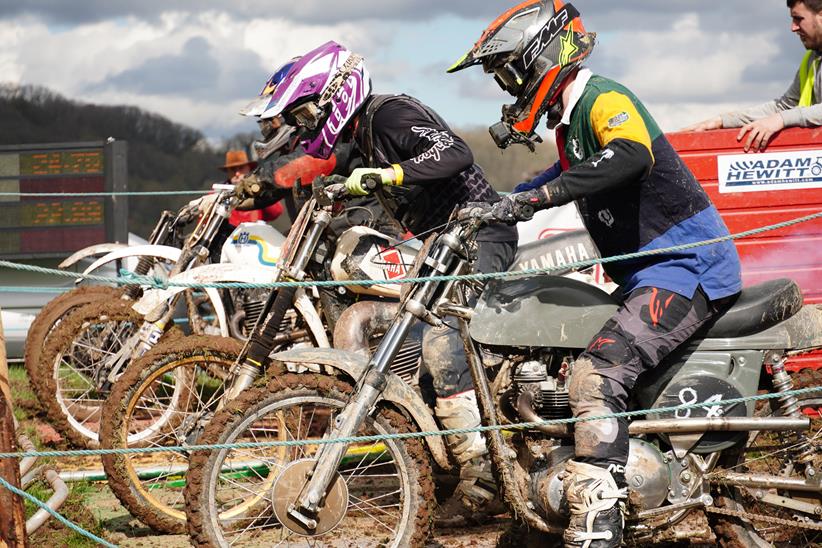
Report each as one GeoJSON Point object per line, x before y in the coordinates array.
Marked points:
{"type": "Point", "coordinates": [288, 487]}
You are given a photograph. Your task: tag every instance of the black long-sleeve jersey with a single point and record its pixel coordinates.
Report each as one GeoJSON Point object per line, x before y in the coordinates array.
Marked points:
{"type": "Point", "coordinates": [438, 166]}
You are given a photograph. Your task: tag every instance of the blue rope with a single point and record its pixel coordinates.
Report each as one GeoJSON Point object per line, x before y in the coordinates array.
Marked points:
{"type": "Point", "coordinates": [55, 514]}
{"type": "Point", "coordinates": [128, 278]}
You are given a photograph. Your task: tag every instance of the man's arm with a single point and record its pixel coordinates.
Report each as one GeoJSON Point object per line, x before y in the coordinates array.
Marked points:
{"type": "Point", "coordinates": [427, 150]}
{"type": "Point", "coordinates": [625, 155]}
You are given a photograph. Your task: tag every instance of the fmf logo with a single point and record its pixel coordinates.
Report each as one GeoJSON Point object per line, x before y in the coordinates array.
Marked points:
{"type": "Point", "coordinates": [547, 34]}
{"type": "Point", "coordinates": [770, 171]}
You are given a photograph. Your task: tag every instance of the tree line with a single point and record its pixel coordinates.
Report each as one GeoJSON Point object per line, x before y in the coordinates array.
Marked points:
{"type": "Point", "coordinates": [164, 155]}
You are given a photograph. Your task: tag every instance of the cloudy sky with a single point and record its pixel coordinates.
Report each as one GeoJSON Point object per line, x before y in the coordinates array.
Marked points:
{"type": "Point", "coordinates": [198, 61]}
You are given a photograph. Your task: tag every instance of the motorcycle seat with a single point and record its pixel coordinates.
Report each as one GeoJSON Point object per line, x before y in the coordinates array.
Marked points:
{"type": "Point", "coordinates": [757, 308]}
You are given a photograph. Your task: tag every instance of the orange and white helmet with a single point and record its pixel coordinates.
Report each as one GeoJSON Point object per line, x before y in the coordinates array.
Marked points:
{"type": "Point", "coordinates": [531, 50]}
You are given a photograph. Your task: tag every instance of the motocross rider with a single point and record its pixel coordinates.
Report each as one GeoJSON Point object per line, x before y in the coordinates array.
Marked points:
{"type": "Point", "coordinates": [634, 194]}
{"type": "Point", "coordinates": [426, 170]}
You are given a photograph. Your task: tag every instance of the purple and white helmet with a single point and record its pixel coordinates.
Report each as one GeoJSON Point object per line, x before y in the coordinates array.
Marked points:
{"type": "Point", "coordinates": [321, 93]}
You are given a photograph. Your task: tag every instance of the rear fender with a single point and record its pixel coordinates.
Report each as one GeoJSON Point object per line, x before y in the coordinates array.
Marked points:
{"type": "Point", "coordinates": [171, 254]}
{"type": "Point", "coordinates": [90, 251]}
{"type": "Point", "coordinates": [396, 391]}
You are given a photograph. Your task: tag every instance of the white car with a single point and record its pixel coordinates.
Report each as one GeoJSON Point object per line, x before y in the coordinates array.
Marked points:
{"type": "Point", "coordinates": [19, 308]}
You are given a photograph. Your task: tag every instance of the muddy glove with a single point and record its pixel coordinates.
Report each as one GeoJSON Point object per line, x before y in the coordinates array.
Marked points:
{"type": "Point", "coordinates": [355, 185]}
{"type": "Point", "coordinates": [520, 207]}
{"type": "Point", "coordinates": [249, 186]}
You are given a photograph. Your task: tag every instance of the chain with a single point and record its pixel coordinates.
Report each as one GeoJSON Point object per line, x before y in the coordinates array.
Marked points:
{"type": "Point", "coordinates": [761, 517]}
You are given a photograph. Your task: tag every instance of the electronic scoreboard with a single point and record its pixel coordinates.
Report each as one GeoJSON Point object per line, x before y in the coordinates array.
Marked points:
{"type": "Point", "coordinates": [41, 217]}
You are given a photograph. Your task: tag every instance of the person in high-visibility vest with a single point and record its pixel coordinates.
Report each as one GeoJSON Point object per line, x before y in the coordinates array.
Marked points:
{"type": "Point", "coordinates": [801, 105]}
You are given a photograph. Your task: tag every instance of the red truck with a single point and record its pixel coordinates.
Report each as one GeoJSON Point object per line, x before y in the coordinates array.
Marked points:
{"type": "Point", "coordinates": [759, 189]}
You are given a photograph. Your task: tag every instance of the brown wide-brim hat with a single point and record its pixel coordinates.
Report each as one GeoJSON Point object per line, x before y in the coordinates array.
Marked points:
{"type": "Point", "coordinates": [235, 159]}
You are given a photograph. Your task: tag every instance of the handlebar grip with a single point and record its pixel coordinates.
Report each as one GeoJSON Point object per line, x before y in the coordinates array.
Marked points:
{"type": "Point", "coordinates": [371, 182]}
{"type": "Point", "coordinates": [526, 212]}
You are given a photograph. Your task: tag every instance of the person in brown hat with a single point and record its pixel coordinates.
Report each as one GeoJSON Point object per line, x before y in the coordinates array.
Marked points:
{"type": "Point", "coordinates": [237, 165]}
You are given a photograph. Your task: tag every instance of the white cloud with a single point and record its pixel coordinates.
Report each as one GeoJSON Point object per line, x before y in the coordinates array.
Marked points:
{"type": "Point", "coordinates": [687, 63]}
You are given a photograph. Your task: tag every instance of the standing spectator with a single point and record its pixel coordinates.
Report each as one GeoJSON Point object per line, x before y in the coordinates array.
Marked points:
{"type": "Point", "coordinates": [800, 105]}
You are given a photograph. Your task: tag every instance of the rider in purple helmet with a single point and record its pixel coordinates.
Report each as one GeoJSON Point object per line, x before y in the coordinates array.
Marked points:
{"type": "Point", "coordinates": [426, 171]}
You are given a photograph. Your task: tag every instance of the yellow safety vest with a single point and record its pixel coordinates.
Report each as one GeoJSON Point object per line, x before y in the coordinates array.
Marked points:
{"type": "Point", "coordinates": [807, 76]}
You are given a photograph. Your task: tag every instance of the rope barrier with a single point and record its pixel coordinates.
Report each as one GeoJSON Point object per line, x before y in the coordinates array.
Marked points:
{"type": "Point", "coordinates": [56, 515]}
{"type": "Point", "coordinates": [128, 278]}
{"type": "Point", "coordinates": [406, 435]}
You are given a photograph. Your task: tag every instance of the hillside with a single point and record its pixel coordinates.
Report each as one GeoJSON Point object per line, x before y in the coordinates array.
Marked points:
{"type": "Point", "coordinates": [163, 155]}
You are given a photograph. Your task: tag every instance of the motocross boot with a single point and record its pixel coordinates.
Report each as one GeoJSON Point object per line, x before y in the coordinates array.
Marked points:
{"type": "Point", "coordinates": [477, 487]}
{"type": "Point", "coordinates": [596, 507]}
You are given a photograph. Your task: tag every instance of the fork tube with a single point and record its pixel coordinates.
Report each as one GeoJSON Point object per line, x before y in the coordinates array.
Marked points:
{"type": "Point", "coordinates": [255, 352]}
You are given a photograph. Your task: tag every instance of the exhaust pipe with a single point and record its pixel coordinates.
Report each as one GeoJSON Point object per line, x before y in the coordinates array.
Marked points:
{"type": "Point", "coordinates": [360, 321]}
{"type": "Point", "coordinates": [672, 426]}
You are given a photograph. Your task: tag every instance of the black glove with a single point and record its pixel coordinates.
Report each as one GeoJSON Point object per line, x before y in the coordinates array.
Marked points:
{"type": "Point", "coordinates": [515, 208]}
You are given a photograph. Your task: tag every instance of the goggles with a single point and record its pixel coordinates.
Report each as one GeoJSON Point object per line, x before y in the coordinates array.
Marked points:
{"type": "Point", "coordinates": [509, 78]}
{"type": "Point", "coordinates": [306, 115]}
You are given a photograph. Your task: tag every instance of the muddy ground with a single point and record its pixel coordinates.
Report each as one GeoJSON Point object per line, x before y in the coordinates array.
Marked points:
{"type": "Point", "coordinates": [93, 506]}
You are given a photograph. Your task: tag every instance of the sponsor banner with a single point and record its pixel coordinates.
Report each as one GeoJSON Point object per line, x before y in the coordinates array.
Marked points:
{"type": "Point", "coordinates": [799, 169]}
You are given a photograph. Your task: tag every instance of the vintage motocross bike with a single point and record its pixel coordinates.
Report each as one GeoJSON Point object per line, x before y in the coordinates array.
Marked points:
{"type": "Point", "coordinates": [745, 473]}
{"type": "Point", "coordinates": [89, 349]}
{"type": "Point", "coordinates": [162, 250]}
{"type": "Point", "coordinates": [145, 401]}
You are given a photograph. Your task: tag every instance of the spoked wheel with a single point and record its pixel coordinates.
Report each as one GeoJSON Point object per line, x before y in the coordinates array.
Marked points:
{"type": "Point", "coordinates": [73, 366]}
{"type": "Point", "coordinates": [50, 317]}
{"type": "Point", "coordinates": [773, 517]}
{"type": "Point", "coordinates": [163, 399]}
{"type": "Point", "coordinates": [239, 496]}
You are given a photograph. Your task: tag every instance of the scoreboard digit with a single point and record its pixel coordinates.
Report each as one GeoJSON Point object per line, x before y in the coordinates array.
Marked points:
{"type": "Point", "coordinates": [34, 226]}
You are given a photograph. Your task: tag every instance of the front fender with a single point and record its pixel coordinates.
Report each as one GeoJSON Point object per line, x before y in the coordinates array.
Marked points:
{"type": "Point", "coordinates": [168, 253]}
{"type": "Point", "coordinates": [89, 251]}
{"type": "Point", "coordinates": [396, 391]}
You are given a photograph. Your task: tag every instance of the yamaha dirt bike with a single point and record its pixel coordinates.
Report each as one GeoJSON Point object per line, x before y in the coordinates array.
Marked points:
{"type": "Point", "coordinates": [143, 408]}
{"type": "Point", "coordinates": [91, 346]}
{"type": "Point", "coordinates": [745, 473]}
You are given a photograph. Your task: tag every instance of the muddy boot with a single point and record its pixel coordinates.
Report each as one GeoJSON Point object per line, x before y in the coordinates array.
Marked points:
{"type": "Point", "coordinates": [595, 502]}
{"type": "Point", "coordinates": [477, 487]}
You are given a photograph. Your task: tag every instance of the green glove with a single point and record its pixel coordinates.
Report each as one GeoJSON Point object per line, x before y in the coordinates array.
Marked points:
{"type": "Point", "coordinates": [354, 183]}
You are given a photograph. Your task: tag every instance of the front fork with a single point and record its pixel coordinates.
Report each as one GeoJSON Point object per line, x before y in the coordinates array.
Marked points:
{"type": "Point", "coordinates": [348, 423]}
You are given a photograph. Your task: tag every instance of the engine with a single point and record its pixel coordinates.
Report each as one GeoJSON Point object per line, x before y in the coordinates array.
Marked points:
{"type": "Point", "coordinates": [248, 305]}
{"type": "Point", "coordinates": [549, 395]}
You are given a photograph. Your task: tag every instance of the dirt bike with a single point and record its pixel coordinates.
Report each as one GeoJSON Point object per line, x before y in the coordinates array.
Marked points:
{"type": "Point", "coordinates": [91, 346]}
{"type": "Point", "coordinates": [693, 473]}
{"type": "Point", "coordinates": [162, 249]}
{"type": "Point", "coordinates": [141, 401]}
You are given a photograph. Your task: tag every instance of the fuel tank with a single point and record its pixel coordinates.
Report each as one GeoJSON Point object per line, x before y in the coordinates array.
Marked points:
{"type": "Point", "coordinates": [363, 253]}
{"type": "Point", "coordinates": [547, 311]}
{"type": "Point", "coordinates": [253, 244]}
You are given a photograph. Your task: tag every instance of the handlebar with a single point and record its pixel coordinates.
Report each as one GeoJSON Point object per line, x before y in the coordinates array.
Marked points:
{"type": "Point", "coordinates": [332, 187]}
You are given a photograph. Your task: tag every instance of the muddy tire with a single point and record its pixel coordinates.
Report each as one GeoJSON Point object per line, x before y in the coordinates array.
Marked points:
{"type": "Point", "coordinates": [70, 361]}
{"type": "Point", "coordinates": [288, 405]}
{"type": "Point", "coordinates": [137, 414]}
{"type": "Point", "coordinates": [51, 314]}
